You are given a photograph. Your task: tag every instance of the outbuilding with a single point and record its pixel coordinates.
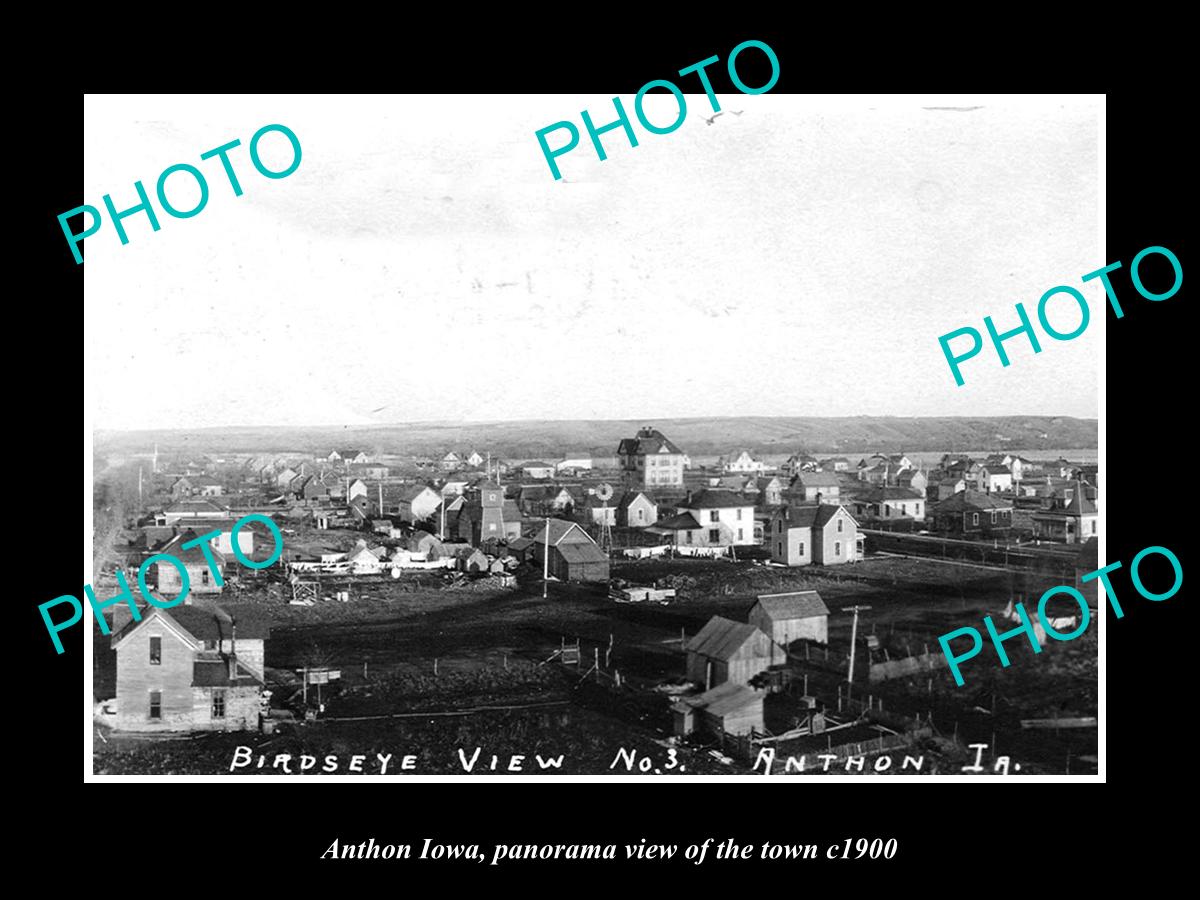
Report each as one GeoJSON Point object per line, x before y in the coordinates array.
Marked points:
{"type": "Point", "coordinates": [801, 615]}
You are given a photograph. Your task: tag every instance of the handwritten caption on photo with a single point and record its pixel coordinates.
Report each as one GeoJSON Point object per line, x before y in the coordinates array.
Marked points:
{"type": "Point", "coordinates": [1048, 624]}
{"type": "Point", "coordinates": [202, 542]}
{"type": "Point", "coordinates": [727, 850]}
{"type": "Point", "coordinates": [1026, 327]}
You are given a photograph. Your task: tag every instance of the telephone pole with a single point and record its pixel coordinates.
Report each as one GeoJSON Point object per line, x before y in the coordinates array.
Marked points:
{"type": "Point", "coordinates": [546, 562]}
{"type": "Point", "coordinates": [853, 638]}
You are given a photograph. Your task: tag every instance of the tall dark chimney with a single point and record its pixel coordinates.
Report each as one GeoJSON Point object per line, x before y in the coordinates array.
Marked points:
{"type": "Point", "coordinates": [232, 648]}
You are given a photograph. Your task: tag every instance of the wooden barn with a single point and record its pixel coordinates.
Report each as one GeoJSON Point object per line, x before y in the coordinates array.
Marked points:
{"type": "Point", "coordinates": [574, 556]}
{"type": "Point", "coordinates": [730, 708]}
{"type": "Point", "coordinates": [725, 650]}
{"type": "Point", "coordinates": [790, 617]}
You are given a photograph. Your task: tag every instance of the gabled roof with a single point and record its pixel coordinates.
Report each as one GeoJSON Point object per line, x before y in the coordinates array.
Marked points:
{"type": "Point", "coordinates": [213, 671]}
{"type": "Point", "coordinates": [195, 505]}
{"type": "Point", "coordinates": [628, 498]}
{"type": "Point", "coordinates": [721, 638]}
{"type": "Point", "coordinates": [559, 529]}
{"type": "Point", "coordinates": [727, 697]}
{"type": "Point", "coordinates": [970, 500]}
{"type": "Point", "coordinates": [681, 522]}
{"type": "Point", "coordinates": [816, 479]}
{"type": "Point", "coordinates": [581, 553]}
{"type": "Point", "coordinates": [808, 516]}
{"type": "Point", "coordinates": [796, 605]}
{"type": "Point", "coordinates": [888, 492]}
{"type": "Point", "coordinates": [411, 493]}
{"type": "Point", "coordinates": [200, 622]}
{"type": "Point", "coordinates": [715, 499]}
{"type": "Point", "coordinates": [648, 440]}
{"type": "Point", "coordinates": [348, 454]}
{"type": "Point", "coordinates": [192, 555]}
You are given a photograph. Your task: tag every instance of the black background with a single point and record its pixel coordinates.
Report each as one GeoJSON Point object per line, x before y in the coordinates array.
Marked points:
{"type": "Point", "coordinates": [951, 835]}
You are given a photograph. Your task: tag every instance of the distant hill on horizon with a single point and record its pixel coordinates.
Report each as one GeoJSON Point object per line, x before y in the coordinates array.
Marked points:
{"type": "Point", "coordinates": [696, 436]}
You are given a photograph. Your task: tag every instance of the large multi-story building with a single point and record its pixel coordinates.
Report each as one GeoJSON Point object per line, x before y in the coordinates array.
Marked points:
{"type": "Point", "coordinates": [650, 460]}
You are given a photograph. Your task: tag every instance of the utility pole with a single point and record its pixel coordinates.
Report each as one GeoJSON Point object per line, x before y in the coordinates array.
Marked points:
{"type": "Point", "coordinates": [853, 637]}
{"type": "Point", "coordinates": [546, 562]}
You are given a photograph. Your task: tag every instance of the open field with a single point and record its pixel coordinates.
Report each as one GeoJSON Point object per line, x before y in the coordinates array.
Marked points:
{"type": "Point", "coordinates": [486, 644]}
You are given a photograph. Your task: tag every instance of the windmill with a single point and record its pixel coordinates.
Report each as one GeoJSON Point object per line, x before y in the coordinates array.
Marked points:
{"type": "Point", "coordinates": [604, 492]}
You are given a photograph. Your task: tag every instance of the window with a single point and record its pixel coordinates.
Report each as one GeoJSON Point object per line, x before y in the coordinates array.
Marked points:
{"type": "Point", "coordinates": [778, 525]}
{"type": "Point", "coordinates": [837, 548]}
{"type": "Point", "coordinates": [904, 509]}
{"type": "Point", "coordinates": [801, 550]}
{"type": "Point", "coordinates": [739, 515]}
{"type": "Point", "coordinates": [156, 704]}
{"type": "Point", "coordinates": [204, 577]}
{"type": "Point", "coordinates": [641, 514]}
{"type": "Point", "coordinates": [688, 539]}
{"type": "Point", "coordinates": [839, 526]}
{"type": "Point", "coordinates": [218, 707]}
{"type": "Point", "coordinates": [1093, 526]}
{"type": "Point", "coordinates": [993, 517]}
{"type": "Point", "coordinates": [714, 516]}
{"type": "Point", "coordinates": [779, 548]}
{"type": "Point", "coordinates": [975, 518]}
{"type": "Point", "coordinates": [156, 651]}
{"type": "Point", "coordinates": [714, 535]}
{"type": "Point", "coordinates": [739, 534]}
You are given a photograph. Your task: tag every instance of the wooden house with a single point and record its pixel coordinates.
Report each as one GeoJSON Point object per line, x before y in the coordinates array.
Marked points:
{"type": "Point", "coordinates": [166, 576]}
{"type": "Point", "coordinates": [189, 668]}
{"type": "Point", "coordinates": [973, 512]}
{"type": "Point", "coordinates": [636, 510]}
{"type": "Point", "coordinates": [574, 556]}
{"type": "Point", "coordinates": [418, 503]}
{"type": "Point", "coordinates": [809, 534]}
{"type": "Point", "coordinates": [729, 708]}
{"type": "Point", "coordinates": [727, 651]}
{"type": "Point", "coordinates": [784, 618]}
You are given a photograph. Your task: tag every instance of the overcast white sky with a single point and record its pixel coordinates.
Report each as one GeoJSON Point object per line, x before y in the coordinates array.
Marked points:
{"type": "Point", "coordinates": [422, 264]}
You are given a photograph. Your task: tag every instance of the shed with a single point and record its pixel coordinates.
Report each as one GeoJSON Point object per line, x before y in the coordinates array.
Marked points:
{"type": "Point", "coordinates": [790, 617]}
{"type": "Point", "coordinates": [725, 650]}
{"type": "Point", "coordinates": [730, 708]}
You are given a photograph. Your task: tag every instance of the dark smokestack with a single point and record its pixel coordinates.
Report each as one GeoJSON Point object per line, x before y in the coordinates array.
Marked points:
{"type": "Point", "coordinates": [232, 648]}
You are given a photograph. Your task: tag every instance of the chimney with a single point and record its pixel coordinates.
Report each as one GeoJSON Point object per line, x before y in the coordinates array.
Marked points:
{"type": "Point", "coordinates": [232, 648]}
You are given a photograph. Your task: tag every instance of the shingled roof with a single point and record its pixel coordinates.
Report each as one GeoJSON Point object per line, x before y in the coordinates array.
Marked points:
{"type": "Point", "coordinates": [796, 605]}
{"type": "Point", "coordinates": [715, 499]}
{"type": "Point", "coordinates": [721, 638]}
{"type": "Point", "coordinates": [648, 440]}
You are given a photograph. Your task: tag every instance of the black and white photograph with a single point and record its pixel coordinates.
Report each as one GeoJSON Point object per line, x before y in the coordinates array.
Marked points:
{"type": "Point", "coordinates": [442, 437]}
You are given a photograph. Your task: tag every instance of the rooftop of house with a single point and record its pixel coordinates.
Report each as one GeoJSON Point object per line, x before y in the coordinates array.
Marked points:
{"type": "Point", "coordinates": [715, 499]}
{"type": "Point", "coordinates": [727, 697]}
{"type": "Point", "coordinates": [811, 515]}
{"type": "Point", "coordinates": [681, 522]}
{"type": "Point", "coordinates": [816, 479]}
{"type": "Point", "coordinates": [721, 638]}
{"type": "Point", "coordinates": [558, 530]}
{"type": "Point", "coordinates": [971, 500]}
{"type": "Point", "coordinates": [648, 440]}
{"type": "Point", "coordinates": [885, 492]}
{"type": "Point", "coordinates": [796, 605]}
